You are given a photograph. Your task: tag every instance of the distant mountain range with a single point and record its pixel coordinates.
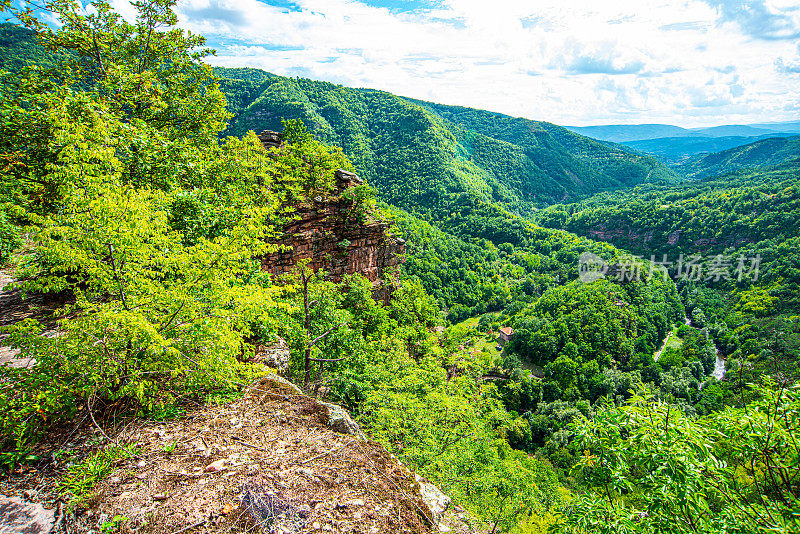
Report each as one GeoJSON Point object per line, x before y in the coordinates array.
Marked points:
{"type": "Point", "coordinates": [675, 145]}
{"type": "Point", "coordinates": [626, 133]}
{"type": "Point", "coordinates": [677, 150]}
{"type": "Point", "coordinates": [761, 154]}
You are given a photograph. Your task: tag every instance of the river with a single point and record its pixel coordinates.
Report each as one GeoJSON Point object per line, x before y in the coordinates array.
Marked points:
{"type": "Point", "coordinates": [719, 365]}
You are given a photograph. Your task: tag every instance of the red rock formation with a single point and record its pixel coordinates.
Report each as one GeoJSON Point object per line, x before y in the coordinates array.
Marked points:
{"type": "Point", "coordinates": [331, 234]}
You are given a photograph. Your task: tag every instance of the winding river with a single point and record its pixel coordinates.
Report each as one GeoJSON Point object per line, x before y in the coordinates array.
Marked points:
{"type": "Point", "coordinates": [719, 365]}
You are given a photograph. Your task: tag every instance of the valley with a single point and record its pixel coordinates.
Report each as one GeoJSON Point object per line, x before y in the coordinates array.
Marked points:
{"type": "Point", "coordinates": [412, 271]}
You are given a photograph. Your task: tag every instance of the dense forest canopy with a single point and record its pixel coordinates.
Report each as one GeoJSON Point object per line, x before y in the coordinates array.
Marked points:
{"type": "Point", "coordinates": [134, 188]}
{"type": "Point", "coordinates": [423, 156]}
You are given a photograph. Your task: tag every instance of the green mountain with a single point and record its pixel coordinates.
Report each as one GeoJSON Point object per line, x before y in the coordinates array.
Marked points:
{"type": "Point", "coordinates": [679, 149]}
{"type": "Point", "coordinates": [624, 133]}
{"type": "Point", "coordinates": [423, 156]}
{"type": "Point", "coordinates": [768, 152]}
{"type": "Point", "coordinates": [18, 47]}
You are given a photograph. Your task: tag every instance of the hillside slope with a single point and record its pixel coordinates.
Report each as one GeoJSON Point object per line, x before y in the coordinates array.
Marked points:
{"type": "Point", "coordinates": [678, 149]}
{"type": "Point", "coordinates": [705, 216]}
{"type": "Point", "coordinates": [421, 156]}
{"type": "Point", "coordinates": [768, 152]}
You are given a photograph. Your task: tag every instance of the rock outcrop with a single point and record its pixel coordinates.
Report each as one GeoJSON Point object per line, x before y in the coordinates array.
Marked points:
{"type": "Point", "coordinates": [436, 501]}
{"type": "Point", "coordinates": [269, 460]}
{"type": "Point", "coordinates": [340, 421]}
{"type": "Point", "coordinates": [275, 356]}
{"type": "Point", "coordinates": [331, 234]}
{"type": "Point", "coordinates": [19, 517]}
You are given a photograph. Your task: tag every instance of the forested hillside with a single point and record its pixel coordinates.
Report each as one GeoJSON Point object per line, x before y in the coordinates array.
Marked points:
{"type": "Point", "coordinates": [422, 156]}
{"type": "Point", "coordinates": [722, 226]}
{"type": "Point", "coordinates": [134, 191]}
{"type": "Point", "coordinates": [767, 152]}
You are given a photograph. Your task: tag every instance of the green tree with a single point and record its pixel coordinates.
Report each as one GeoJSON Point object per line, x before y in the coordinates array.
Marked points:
{"type": "Point", "coordinates": [651, 468]}
{"type": "Point", "coordinates": [138, 212]}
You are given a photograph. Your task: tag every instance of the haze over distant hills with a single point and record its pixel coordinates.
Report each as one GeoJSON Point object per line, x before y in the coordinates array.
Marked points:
{"type": "Point", "coordinates": [674, 144]}
{"type": "Point", "coordinates": [624, 133]}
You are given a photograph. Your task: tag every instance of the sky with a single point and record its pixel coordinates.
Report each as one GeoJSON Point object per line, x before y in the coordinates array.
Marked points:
{"type": "Point", "coordinates": [572, 62]}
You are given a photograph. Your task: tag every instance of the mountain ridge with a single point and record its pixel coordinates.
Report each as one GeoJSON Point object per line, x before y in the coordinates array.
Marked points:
{"type": "Point", "coordinates": [623, 133]}
{"type": "Point", "coordinates": [421, 155]}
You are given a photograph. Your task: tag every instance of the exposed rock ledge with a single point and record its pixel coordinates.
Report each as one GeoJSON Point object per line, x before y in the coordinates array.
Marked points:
{"type": "Point", "coordinates": [333, 237]}
{"type": "Point", "coordinates": [20, 517]}
{"type": "Point", "coordinates": [218, 468]}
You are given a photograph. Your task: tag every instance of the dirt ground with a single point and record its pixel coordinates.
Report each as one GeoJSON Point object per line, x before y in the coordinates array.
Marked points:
{"type": "Point", "coordinates": [265, 463]}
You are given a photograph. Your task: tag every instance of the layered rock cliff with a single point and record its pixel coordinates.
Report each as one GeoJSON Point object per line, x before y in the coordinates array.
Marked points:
{"type": "Point", "coordinates": [331, 233]}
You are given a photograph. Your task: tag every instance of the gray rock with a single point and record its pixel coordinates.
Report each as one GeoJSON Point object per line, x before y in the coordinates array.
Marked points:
{"type": "Point", "coordinates": [345, 178]}
{"type": "Point", "coordinates": [340, 421]}
{"type": "Point", "coordinates": [272, 383]}
{"type": "Point", "coordinates": [436, 501]}
{"type": "Point", "coordinates": [18, 517]}
{"type": "Point", "coordinates": [270, 139]}
{"type": "Point", "coordinates": [275, 356]}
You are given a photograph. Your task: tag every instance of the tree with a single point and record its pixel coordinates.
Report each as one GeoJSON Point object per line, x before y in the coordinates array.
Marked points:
{"type": "Point", "coordinates": [149, 224]}
{"type": "Point", "coordinates": [312, 341]}
{"type": "Point", "coordinates": [651, 468]}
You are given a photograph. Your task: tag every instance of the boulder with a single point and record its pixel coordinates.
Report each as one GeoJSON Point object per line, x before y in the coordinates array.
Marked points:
{"type": "Point", "coordinates": [18, 517]}
{"type": "Point", "coordinates": [345, 178]}
{"type": "Point", "coordinates": [436, 501]}
{"type": "Point", "coordinates": [275, 356]}
{"type": "Point", "coordinates": [271, 386]}
{"type": "Point", "coordinates": [270, 139]}
{"type": "Point", "coordinates": [340, 421]}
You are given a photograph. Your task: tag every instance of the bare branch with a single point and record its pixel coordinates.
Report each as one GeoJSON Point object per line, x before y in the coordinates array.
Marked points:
{"type": "Point", "coordinates": [117, 277]}
{"type": "Point", "coordinates": [324, 335]}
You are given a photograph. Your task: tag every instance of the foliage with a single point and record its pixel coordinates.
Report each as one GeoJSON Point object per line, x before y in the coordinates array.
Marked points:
{"type": "Point", "coordinates": [81, 477]}
{"type": "Point", "coordinates": [113, 525]}
{"type": "Point", "coordinates": [10, 239]}
{"type": "Point", "coordinates": [653, 469]}
{"type": "Point", "coordinates": [150, 224]}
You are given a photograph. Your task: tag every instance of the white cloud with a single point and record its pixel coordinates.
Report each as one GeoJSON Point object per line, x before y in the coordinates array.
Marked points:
{"type": "Point", "coordinates": [690, 62]}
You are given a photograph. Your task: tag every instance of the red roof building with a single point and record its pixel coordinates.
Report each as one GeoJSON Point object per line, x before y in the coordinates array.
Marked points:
{"type": "Point", "coordinates": [505, 334]}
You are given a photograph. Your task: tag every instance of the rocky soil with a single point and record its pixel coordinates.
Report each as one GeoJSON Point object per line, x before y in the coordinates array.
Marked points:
{"type": "Point", "coordinates": [268, 462]}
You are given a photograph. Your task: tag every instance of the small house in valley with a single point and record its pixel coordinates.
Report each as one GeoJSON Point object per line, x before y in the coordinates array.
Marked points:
{"type": "Point", "coordinates": [505, 334]}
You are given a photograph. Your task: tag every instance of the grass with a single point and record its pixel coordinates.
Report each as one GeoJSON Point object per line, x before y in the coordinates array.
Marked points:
{"type": "Point", "coordinates": [489, 345]}
{"type": "Point", "coordinates": [166, 412]}
{"type": "Point", "coordinates": [675, 342]}
{"type": "Point", "coordinates": [472, 322]}
{"type": "Point", "coordinates": [80, 478]}
{"type": "Point", "coordinates": [481, 342]}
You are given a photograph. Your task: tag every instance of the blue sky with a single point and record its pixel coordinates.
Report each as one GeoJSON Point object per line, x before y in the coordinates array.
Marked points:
{"type": "Point", "coordinates": [580, 62]}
